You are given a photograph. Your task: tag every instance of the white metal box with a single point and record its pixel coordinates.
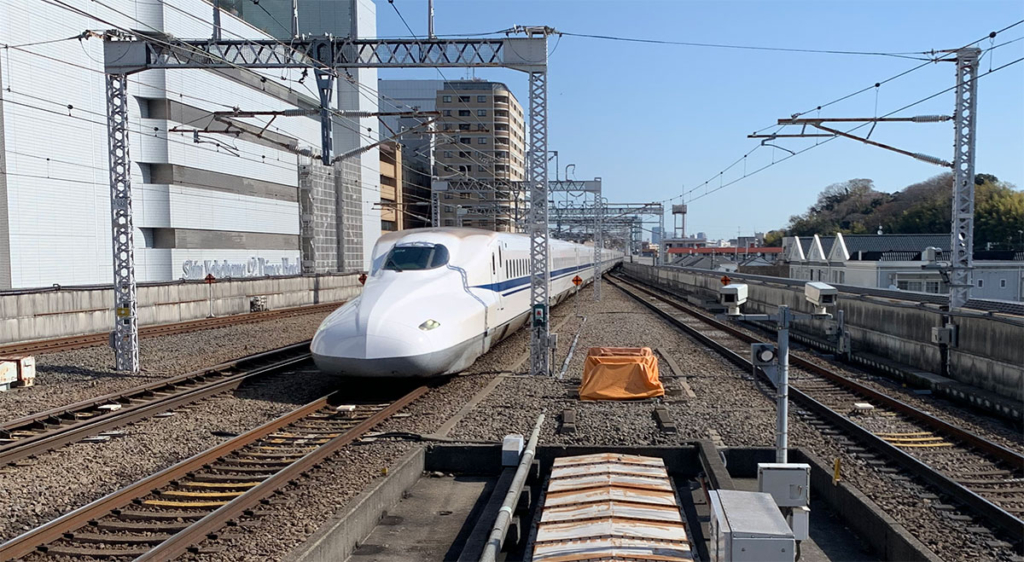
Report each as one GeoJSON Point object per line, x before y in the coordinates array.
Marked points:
{"type": "Point", "coordinates": [788, 484]}
{"type": "Point", "coordinates": [511, 449]}
{"type": "Point", "coordinates": [25, 368]}
{"type": "Point", "coordinates": [8, 372]}
{"type": "Point", "coordinates": [800, 521]}
{"type": "Point", "coordinates": [748, 527]}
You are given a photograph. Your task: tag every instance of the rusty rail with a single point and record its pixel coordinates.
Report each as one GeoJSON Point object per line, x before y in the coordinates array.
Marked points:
{"type": "Point", "coordinates": [39, 432]}
{"type": "Point", "coordinates": [64, 527]}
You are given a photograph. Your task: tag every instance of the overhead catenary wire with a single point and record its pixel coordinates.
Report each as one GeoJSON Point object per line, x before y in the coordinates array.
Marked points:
{"type": "Point", "coordinates": [905, 107]}
{"type": "Point", "coordinates": [778, 127]}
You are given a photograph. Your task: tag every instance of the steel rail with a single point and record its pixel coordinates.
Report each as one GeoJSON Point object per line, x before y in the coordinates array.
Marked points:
{"type": "Point", "coordinates": [986, 509]}
{"type": "Point", "coordinates": [196, 533]}
{"type": "Point", "coordinates": [37, 538]}
{"type": "Point", "coordinates": [994, 449]}
{"type": "Point", "coordinates": [90, 340]}
{"type": "Point", "coordinates": [139, 402]}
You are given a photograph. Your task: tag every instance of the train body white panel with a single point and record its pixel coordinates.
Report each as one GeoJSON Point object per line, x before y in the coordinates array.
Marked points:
{"type": "Point", "coordinates": [437, 299]}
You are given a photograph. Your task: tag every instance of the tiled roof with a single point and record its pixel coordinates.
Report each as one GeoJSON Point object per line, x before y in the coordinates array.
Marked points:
{"type": "Point", "coordinates": [826, 243]}
{"type": "Point", "coordinates": [805, 243]}
{"type": "Point", "coordinates": [894, 242]}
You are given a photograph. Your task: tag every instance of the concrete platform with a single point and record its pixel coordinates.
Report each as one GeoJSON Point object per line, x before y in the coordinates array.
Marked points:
{"type": "Point", "coordinates": [435, 502]}
{"type": "Point", "coordinates": [432, 522]}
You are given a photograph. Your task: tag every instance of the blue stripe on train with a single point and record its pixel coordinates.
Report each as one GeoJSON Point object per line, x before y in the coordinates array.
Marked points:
{"type": "Point", "coordinates": [525, 280]}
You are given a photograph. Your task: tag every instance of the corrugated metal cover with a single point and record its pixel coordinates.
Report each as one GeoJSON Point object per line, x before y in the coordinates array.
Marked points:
{"type": "Point", "coordinates": [610, 507]}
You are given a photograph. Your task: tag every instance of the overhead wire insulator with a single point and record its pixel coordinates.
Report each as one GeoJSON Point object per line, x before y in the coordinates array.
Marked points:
{"type": "Point", "coordinates": [930, 118]}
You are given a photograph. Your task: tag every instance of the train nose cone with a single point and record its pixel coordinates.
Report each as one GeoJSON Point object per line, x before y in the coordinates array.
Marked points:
{"type": "Point", "coordinates": [384, 350]}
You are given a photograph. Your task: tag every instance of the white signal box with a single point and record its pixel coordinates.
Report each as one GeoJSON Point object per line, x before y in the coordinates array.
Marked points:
{"type": "Point", "coordinates": [789, 484]}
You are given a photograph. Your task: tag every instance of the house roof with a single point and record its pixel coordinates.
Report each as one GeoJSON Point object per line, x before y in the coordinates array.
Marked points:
{"type": "Point", "coordinates": [826, 244]}
{"type": "Point", "coordinates": [805, 243]}
{"type": "Point", "coordinates": [893, 242]}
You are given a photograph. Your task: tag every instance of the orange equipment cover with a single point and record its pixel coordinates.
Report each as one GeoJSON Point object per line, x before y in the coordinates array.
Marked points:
{"type": "Point", "coordinates": [620, 373]}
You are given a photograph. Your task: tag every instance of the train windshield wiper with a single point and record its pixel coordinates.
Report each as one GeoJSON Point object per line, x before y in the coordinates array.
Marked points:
{"type": "Point", "coordinates": [394, 265]}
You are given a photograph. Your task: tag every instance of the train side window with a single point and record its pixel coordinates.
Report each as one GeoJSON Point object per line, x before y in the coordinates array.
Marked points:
{"type": "Point", "coordinates": [494, 267]}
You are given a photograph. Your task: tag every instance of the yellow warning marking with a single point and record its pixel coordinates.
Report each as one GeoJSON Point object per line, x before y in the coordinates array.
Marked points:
{"type": "Point", "coordinates": [913, 434]}
{"type": "Point", "coordinates": [305, 435]}
{"type": "Point", "coordinates": [169, 503]}
{"type": "Point", "coordinates": [282, 448]}
{"type": "Point", "coordinates": [936, 444]}
{"type": "Point", "coordinates": [911, 439]}
{"type": "Point", "coordinates": [187, 494]}
{"type": "Point", "coordinates": [222, 485]}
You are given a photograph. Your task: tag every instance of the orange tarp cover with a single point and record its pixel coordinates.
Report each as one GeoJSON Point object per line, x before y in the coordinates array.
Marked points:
{"type": "Point", "coordinates": [620, 373]}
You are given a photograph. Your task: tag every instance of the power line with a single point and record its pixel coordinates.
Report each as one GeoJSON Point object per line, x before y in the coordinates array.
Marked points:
{"type": "Point", "coordinates": [909, 55]}
{"type": "Point", "coordinates": [862, 125]}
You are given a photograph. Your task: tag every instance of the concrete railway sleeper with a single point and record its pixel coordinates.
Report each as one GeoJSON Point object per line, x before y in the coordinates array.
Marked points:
{"type": "Point", "coordinates": [37, 433]}
{"type": "Point", "coordinates": [983, 476]}
{"type": "Point", "coordinates": [168, 513]}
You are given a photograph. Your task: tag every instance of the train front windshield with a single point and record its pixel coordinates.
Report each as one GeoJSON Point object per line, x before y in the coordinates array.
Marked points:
{"type": "Point", "coordinates": [412, 258]}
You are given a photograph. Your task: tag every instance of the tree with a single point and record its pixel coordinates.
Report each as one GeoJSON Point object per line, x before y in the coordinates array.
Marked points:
{"type": "Point", "coordinates": [855, 207]}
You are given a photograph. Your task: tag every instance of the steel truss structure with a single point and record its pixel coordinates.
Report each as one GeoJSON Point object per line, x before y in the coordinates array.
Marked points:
{"type": "Point", "coordinates": [127, 54]}
{"type": "Point", "coordinates": [962, 235]}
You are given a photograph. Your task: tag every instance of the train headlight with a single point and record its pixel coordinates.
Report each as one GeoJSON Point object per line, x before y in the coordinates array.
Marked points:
{"type": "Point", "coordinates": [429, 325]}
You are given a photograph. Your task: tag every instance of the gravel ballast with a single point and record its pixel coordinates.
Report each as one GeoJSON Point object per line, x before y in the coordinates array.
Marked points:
{"type": "Point", "coordinates": [37, 491]}
{"type": "Point", "coordinates": [66, 377]}
{"type": "Point", "coordinates": [727, 407]}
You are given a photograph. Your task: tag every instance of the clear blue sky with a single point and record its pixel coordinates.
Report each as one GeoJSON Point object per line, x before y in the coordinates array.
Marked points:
{"type": "Point", "coordinates": [651, 119]}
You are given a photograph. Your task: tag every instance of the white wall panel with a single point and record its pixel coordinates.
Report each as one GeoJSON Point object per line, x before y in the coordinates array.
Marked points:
{"type": "Point", "coordinates": [214, 210]}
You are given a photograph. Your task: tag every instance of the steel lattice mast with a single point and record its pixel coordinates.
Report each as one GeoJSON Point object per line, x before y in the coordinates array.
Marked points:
{"type": "Point", "coordinates": [962, 236]}
{"type": "Point", "coordinates": [126, 54]}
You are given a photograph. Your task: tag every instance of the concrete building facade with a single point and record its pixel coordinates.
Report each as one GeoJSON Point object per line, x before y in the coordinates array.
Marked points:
{"type": "Point", "coordinates": [417, 142]}
{"type": "Point", "coordinates": [898, 261]}
{"type": "Point", "coordinates": [392, 204]}
{"type": "Point", "coordinates": [482, 144]}
{"type": "Point", "coordinates": [204, 202]}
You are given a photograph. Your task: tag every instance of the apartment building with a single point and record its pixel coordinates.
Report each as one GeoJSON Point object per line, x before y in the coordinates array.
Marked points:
{"type": "Point", "coordinates": [480, 155]}
{"type": "Point", "coordinates": [392, 204]}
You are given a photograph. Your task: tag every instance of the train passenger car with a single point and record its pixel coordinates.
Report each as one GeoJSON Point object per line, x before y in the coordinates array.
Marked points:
{"type": "Point", "coordinates": [436, 299]}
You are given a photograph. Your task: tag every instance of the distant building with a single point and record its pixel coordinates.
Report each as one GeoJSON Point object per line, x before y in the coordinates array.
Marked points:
{"type": "Point", "coordinates": [895, 261]}
{"type": "Point", "coordinates": [392, 204]}
{"type": "Point", "coordinates": [480, 147]}
{"type": "Point", "coordinates": [418, 164]}
{"type": "Point", "coordinates": [656, 235]}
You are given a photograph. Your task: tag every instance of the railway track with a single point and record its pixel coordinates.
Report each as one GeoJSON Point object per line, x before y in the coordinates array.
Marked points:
{"type": "Point", "coordinates": [43, 431]}
{"type": "Point", "coordinates": [90, 340]}
{"type": "Point", "coordinates": [984, 476]}
{"type": "Point", "coordinates": [167, 514]}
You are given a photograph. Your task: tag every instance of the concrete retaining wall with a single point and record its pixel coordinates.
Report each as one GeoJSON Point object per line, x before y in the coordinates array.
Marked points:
{"type": "Point", "coordinates": [990, 354]}
{"type": "Point", "coordinates": [71, 311]}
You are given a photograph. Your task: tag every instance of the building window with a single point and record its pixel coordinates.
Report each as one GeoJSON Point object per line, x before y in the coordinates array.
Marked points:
{"type": "Point", "coordinates": [449, 222]}
{"type": "Point", "coordinates": [463, 126]}
{"type": "Point", "coordinates": [931, 287]}
{"type": "Point", "coordinates": [481, 113]}
{"type": "Point", "coordinates": [449, 209]}
{"type": "Point", "coordinates": [448, 154]}
{"type": "Point", "coordinates": [1002, 283]}
{"type": "Point", "coordinates": [463, 169]}
{"type": "Point", "coordinates": [500, 127]}
{"type": "Point", "coordinates": [447, 126]}
{"type": "Point", "coordinates": [481, 140]}
{"type": "Point", "coordinates": [463, 154]}
{"type": "Point", "coordinates": [842, 277]}
{"type": "Point", "coordinates": [481, 99]}
{"type": "Point", "coordinates": [447, 113]}
{"type": "Point", "coordinates": [463, 99]}
{"type": "Point", "coordinates": [465, 195]}
{"type": "Point", "coordinates": [388, 226]}
{"type": "Point", "coordinates": [481, 168]}
{"type": "Point", "coordinates": [448, 195]}
{"type": "Point", "coordinates": [463, 113]}
{"type": "Point", "coordinates": [466, 140]}
{"type": "Point", "coordinates": [481, 127]}
{"type": "Point", "coordinates": [981, 283]}
{"type": "Point", "coordinates": [446, 99]}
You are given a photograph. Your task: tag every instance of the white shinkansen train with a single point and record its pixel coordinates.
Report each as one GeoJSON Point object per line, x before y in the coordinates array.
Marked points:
{"type": "Point", "coordinates": [437, 299]}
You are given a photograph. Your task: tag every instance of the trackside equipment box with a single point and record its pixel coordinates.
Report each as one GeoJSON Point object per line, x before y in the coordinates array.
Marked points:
{"type": "Point", "coordinates": [748, 527]}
